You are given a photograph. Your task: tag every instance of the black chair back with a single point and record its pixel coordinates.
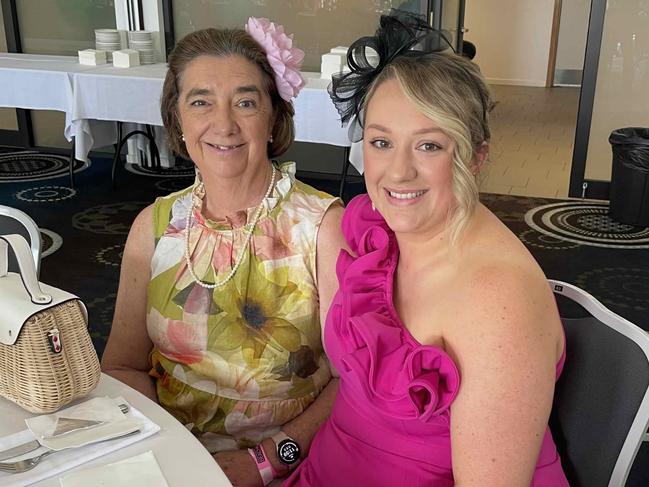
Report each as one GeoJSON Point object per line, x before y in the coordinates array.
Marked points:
{"type": "Point", "coordinates": [597, 398]}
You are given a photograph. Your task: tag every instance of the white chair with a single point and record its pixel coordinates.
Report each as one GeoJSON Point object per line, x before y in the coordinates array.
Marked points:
{"type": "Point", "coordinates": [13, 220]}
{"type": "Point", "coordinates": [601, 402]}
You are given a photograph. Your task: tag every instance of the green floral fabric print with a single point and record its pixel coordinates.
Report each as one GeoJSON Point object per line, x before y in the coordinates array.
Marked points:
{"type": "Point", "coordinates": [235, 363]}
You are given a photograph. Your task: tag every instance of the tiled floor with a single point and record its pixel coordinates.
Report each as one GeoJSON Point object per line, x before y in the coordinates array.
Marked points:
{"type": "Point", "coordinates": [532, 140]}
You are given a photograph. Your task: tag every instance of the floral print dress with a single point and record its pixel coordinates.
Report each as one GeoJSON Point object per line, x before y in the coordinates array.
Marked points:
{"type": "Point", "coordinates": [235, 363]}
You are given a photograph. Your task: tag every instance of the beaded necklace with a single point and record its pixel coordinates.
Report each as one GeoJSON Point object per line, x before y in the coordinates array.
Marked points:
{"type": "Point", "coordinates": [249, 230]}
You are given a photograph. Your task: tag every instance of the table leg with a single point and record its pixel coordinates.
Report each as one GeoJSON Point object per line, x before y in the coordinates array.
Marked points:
{"type": "Point", "coordinates": [153, 148]}
{"type": "Point", "coordinates": [118, 149]}
{"type": "Point", "coordinates": [72, 159]}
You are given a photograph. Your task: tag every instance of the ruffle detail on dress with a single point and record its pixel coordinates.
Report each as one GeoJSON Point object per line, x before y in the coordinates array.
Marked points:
{"type": "Point", "coordinates": [379, 357]}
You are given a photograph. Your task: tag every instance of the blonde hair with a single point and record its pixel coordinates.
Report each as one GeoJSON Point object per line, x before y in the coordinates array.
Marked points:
{"type": "Point", "coordinates": [450, 91]}
{"type": "Point", "coordinates": [222, 43]}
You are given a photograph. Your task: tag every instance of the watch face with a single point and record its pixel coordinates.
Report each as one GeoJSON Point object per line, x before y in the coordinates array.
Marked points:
{"type": "Point", "coordinates": [288, 452]}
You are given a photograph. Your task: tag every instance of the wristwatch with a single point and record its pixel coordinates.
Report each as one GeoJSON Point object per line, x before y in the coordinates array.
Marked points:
{"type": "Point", "coordinates": [288, 450]}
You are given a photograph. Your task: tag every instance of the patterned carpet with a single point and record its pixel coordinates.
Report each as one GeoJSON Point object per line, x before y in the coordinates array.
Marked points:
{"type": "Point", "coordinates": [84, 231]}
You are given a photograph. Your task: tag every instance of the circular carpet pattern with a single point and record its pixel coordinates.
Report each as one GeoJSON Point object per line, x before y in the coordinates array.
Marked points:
{"type": "Point", "coordinates": [626, 287]}
{"type": "Point", "coordinates": [543, 241]}
{"type": "Point", "coordinates": [586, 223]}
{"type": "Point", "coordinates": [50, 242]}
{"type": "Point", "coordinates": [110, 219]}
{"type": "Point", "coordinates": [177, 171]}
{"type": "Point", "coordinates": [173, 185]}
{"type": "Point", "coordinates": [46, 194]}
{"type": "Point", "coordinates": [34, 166]}
{"type": "Point", "coordinates": [111, 256]}
{"type": "Point", "coordinates": [100, 317]}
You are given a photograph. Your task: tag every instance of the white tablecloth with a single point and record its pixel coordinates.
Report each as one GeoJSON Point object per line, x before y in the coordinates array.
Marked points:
{"type": "Point", "coordinates": [92, 96]}
{"type": "Point", "coordinates": [43, 82]}
{"type": "Point", "coordinates": [182, 458]}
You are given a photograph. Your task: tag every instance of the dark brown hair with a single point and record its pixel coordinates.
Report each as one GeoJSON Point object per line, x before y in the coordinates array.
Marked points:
{"type": "Point", "coordinates": [220, 43]}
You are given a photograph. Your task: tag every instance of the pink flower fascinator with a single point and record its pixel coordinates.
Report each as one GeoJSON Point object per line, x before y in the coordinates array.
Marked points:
{"type": "Point", "coordinates": [282, 56]}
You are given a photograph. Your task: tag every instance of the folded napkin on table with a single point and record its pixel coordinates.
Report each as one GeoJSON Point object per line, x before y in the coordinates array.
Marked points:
{"type": "Point", "coordinates": [139, 471]}
{"type": "Point", "coordinates": [103, 412]}
{"type": "Point", "coordinates": [67, 459]}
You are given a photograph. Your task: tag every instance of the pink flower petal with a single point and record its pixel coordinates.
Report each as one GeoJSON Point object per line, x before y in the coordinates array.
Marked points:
{"type": "Point", "coordinates": [282, 56]}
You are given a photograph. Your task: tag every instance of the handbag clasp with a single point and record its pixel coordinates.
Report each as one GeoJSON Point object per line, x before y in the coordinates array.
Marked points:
{"type": "Point", "coordinates": [54, 337]}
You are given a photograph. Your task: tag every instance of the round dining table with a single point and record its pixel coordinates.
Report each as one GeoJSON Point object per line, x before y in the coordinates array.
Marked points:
{"type": "Point", "coordinates": [182, 458]}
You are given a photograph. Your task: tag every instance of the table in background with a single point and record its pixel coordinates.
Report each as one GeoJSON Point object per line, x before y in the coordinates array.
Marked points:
{"type": "Point", "coordinates": [93, 98]}
{"type": "Point", "coordinates": [182, 458]}
{"type": "Point", "coordinates": [43, 82]}
{"type": "Point", "coordinates": [133, 95]}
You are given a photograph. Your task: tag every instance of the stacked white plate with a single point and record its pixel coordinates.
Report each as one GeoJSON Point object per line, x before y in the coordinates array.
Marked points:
{"type": "Point", "coordinates": [107, 40]}
{"type": "Point", "coordinates": [142, 41]}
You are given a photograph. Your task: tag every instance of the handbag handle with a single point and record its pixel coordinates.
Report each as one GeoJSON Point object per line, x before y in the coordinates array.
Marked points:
{"type": "Point", "coordinates": [25, 264]}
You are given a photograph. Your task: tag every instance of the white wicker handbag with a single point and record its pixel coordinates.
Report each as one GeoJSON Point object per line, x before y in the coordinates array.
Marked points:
{"type": "Point", "coordinates": [46, 356]}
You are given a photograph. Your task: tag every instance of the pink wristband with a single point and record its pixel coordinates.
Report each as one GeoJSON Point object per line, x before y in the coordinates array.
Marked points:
{"type": "Point", "coordinates": [266, 470]}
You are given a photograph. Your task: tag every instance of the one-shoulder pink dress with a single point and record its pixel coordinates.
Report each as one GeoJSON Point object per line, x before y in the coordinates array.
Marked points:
{"type": "Point", "coordinates": [390, 424]}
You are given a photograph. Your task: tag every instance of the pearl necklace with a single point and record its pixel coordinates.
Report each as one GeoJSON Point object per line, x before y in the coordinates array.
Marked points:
{"type": "Point", "coordinates": [249, 231]}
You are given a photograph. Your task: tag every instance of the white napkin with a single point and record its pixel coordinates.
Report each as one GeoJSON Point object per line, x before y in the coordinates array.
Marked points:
{"type": "Point", "coordinates": [65, 460]}
{"type": "Point", "coordinates": [138, 471]}
{"type": "Point", "coordinates": [101, 409]}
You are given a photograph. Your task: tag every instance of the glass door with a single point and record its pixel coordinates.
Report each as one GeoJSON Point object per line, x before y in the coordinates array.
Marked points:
{"type": "Point", "coordinates": [448, 16]}
{"type": "Point", "coordinates": [10, 134]}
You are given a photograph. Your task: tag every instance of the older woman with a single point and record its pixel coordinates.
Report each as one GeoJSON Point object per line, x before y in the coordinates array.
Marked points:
{"type": "Point", "coordinates": [223, 284]}
{"type": "Point", "coordinates": [444, 329]}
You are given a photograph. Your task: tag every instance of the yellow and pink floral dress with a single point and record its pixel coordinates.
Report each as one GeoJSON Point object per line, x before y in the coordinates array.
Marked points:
{"type": "Point", "coordinates": [235, 363]}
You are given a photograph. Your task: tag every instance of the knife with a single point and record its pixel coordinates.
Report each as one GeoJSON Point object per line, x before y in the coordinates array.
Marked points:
{"type": "Point", "coordinates": [34, 444]}
{"type": "Point", "coordinates": [70, 425]}
{"type": "Point", "coordinates": [19, 450]}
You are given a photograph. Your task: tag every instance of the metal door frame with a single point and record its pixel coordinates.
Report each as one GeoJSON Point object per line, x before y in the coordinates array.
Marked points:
{"type": "Point", "coordinates": [24, 136]}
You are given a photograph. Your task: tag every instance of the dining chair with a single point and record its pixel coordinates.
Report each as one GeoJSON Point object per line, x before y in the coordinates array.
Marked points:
{"type": "Point", "coordinates": [13, 220]}
{"type": "Point", "coordinates": [600, 412]}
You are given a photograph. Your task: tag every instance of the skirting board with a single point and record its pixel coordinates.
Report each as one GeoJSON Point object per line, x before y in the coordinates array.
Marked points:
{"type": "Point", "coordinates": [516, 82]}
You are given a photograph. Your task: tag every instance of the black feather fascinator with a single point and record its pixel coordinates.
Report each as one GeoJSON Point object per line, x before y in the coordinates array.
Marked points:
{"type": "Point", "coordinates": [399, 34]}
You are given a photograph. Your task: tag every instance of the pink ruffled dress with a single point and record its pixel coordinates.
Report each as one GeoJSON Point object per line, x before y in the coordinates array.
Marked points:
{"type": "Point", "coordinates": [390, 424]}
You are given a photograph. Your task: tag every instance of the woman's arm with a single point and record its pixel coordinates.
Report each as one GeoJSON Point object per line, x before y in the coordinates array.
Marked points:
{"type": "Point", "coordinates": [506, 348]}
{"type": "Point", "coordinates": [127, 352]}
{"type": "Point", "coordinates": [330, 241]}
{"type": "Point", "coordinates": [238, 465]}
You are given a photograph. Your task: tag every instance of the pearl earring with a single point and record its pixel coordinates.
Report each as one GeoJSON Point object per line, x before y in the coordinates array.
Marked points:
{"type": "Point", "coordinates": [182, 137]}
{"type": "Point", "coordinates": [270, 139]}
{"type": "Point", "coordinates": [373, 207]}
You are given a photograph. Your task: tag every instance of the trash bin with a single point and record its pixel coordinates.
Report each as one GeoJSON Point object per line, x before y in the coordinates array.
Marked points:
{"type": "Point", "coordinates": [630, 176]}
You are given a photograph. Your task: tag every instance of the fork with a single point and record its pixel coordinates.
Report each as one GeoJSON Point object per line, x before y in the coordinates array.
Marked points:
{"type": "Point", "coordinates": [35, 445]}
{"type": "Point", "coordinates": [29, 463]}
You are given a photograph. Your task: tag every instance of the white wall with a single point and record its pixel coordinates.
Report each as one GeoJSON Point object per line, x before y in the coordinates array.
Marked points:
{"type": "Point", "coordinates": [572, 34]}
{"type": "Point", "coordinates": [512, 39]}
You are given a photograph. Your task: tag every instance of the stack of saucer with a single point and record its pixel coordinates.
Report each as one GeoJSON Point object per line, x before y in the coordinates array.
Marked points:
{"type": "Point", "coordinates": [107, 40]}
{"type": "Point", "coordinates": [142, 41]}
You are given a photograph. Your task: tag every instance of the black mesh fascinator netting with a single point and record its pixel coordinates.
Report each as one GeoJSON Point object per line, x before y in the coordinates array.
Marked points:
{"type": "Point", "coordinates": [399, 34]}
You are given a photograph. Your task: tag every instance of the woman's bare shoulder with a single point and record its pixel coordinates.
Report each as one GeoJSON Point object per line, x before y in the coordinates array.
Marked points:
{"type": "Point", "coordinates": [508, 292]}
{"type": "Point", "coordinates": [141, 236]}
